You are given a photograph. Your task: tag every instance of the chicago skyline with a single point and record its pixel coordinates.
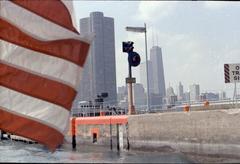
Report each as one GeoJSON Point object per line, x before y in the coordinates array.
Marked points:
{"type": "Point", "coordinates": [153, 89]}
{"type": "Point", "coordinates": [194, 48]}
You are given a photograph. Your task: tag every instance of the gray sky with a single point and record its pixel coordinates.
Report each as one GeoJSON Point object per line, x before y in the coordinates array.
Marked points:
{"type": "Point", "coordinates": [196, 38]}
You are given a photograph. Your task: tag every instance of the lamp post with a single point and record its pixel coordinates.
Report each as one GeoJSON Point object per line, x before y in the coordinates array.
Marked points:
{"type": "Point", "coordinates": [141, 30]}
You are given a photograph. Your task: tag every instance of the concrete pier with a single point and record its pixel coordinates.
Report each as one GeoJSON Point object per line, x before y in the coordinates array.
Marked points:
{"type": "Point", "coordinates": [200, 132]}
{"type": "Point", "coordinates": [208, 132]}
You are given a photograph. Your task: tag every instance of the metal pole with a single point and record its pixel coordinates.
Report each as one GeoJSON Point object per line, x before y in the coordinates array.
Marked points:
{"type": "Point", "coordinates": [118, 147]}
{"type": "Point", "coordinates": [110, 134]}
{"type": "Point", "coordinates": [73, 121]}
{"type": "Point", "coordinates": [128, 145]}
{"type": "Point", "coordinates": [236, 97]}
{"type": "Point", "coordinates": [130, 70]}
{"type": "Point", "coordinates": [131, 108]}
{"type": "Point", "coordinates": [148, 103]}
{"type": "Point", "coordinates": [1, 135]}
{"type": "Point", "coordinates": [234, 93]}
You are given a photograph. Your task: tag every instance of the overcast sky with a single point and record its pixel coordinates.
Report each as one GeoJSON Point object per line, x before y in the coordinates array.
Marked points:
{"type": "Point", "coordinates": [196, 38]}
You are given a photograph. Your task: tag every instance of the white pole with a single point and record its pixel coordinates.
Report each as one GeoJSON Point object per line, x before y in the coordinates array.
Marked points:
{"type": "Point", "coordinates": [148, 103]}
{"type": "Point", "coordinates": [234, 93]}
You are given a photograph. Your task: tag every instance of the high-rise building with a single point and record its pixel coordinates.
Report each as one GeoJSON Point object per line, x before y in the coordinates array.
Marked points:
{"type": "Point", "coordinates": [186, 96]}
{"type": "Point", "coordinates": [122, 93]}
{"type": "Point", "coordinates": [222, 95]}
{"type": "Point", "coordinates": [143, 76]}
{"type": "Point", "coordinates": [180, 92]}
{"type": "Point", "coordinates": [157, 71]}
{"type": "Point", "coordinates": [171, 97]}
{"type": "Point", "coordinates": [139, 95]}
{"type": "Point", "coordinates": [194, 92]}
{"type": "Point", "coordinates": [156, 84]}
{"type": "Point", "coordinates": [99, 73]}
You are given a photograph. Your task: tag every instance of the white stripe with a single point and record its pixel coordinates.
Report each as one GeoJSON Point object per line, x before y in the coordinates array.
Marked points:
{"type": "Point", "coordinates": [36, 109]}
{"type": "Point", "coordinates": [36, 26]}
{"type": "Point", "coordinates": [37, 63]}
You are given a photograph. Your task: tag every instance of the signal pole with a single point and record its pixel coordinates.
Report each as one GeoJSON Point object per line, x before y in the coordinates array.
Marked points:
{"type": "Point", "coordinates": [133, 60]}
{"type": "Point", "coordinates": [143, 30]}
{"type": "Point", "coordinates": [130, 81]}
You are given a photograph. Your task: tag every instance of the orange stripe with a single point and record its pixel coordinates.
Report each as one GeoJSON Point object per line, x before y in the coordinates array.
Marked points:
{"type": "Point", "coordinates": [53, 10]}
{"type": "Point", "coordinates": [101, 120]}
{"type": "Point", "coordinates": [73, 122]}
{"type": "Point", "coordinates": [69, 49]}
{"type": "Point", "coordinates": [36, 86]}
{"type": "Point", "coordinates": [30, 129]}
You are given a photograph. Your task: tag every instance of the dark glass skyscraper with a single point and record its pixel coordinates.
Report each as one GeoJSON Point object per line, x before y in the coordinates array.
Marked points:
{"type": "Point", "coordinates": [157, 71]}
{"type": "Point", "coordinates": [157, 88]}
{"type": "Point", "coordinates": [99, 74]}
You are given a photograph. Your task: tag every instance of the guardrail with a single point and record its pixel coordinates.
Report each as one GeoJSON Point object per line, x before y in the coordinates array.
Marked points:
{"type": "Point", "coordinates": [87, 111]}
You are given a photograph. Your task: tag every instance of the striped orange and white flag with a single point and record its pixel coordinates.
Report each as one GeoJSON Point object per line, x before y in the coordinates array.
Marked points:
{"type": "Point", "coordinates": [41, 61]}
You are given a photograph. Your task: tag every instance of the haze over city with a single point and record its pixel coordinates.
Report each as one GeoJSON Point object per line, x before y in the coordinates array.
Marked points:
{"type": "Point", "coordinates": [197, 38]}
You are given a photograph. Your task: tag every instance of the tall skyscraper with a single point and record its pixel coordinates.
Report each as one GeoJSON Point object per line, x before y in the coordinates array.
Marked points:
{"type": "Point", "coordinates": [157, 88]}
{"type": "Point", "coordinates": [99, 74]}
{"type": "Point", "coordinates": [139, 95]}
{"type": "Point", "coordinates": [171, 97]}
{"type": "Point", "coordinates": [180, 91]}
{"type": "Point", "coordinates": [143, 76]}
{"type": "Point", "coordinates": [157, 71]}
{"type": "Point", "coordinates": [194, 92]}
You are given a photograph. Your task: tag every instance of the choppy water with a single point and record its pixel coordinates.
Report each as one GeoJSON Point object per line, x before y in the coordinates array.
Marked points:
{"type": "Point", "coordinates": [12, 151]}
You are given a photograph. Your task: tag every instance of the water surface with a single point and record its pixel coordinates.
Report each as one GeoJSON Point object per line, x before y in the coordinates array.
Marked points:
{"type": "Point", "coordinates": [12, 151]}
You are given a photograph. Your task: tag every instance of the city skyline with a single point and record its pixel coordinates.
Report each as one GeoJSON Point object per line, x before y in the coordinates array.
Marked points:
{"type": "Point", "coordinates": [197, 38]}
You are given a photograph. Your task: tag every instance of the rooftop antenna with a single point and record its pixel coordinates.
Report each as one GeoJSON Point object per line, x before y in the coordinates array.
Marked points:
{"type": "Point", "coordinates": [152, 36]}
{"type": "Point", "coordinates": [157, 38]}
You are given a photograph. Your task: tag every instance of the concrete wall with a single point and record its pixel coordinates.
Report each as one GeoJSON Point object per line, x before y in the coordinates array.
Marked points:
{"type": "Point", "coordinates": [85, 135]}
{"type": "Point", "coordinates": [201, 132]}
{"type": "Point", "coordinates": [211, 132]}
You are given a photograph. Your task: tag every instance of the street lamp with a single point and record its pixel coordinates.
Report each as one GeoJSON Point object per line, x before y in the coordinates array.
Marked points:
{"type": "Point", "coordinates": [141, 30]}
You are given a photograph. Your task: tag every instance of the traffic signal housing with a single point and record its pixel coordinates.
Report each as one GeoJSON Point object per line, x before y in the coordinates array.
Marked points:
{"type": "Point", "coordinates": [127, 46]}
{"type": "Point", "coordinates": [134, 59]}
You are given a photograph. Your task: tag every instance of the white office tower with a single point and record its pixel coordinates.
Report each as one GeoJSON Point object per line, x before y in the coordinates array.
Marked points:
{"type": "Point", "coordinates": [99, 74]}
{"type": "Point", "coordinates": [194, 92]}
{"type": "Point", "coordinates": [171, 97]}
{"type": "Point", "coordinates": [139, 95]}
{"type": "Point", "coordinates": [180, 92]}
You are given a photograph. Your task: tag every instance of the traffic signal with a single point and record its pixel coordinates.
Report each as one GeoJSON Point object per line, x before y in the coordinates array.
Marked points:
{"type": "Point", "coordinates": [127, 46]}
{"type": "Point", "coordinates": [134, 59]}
